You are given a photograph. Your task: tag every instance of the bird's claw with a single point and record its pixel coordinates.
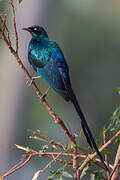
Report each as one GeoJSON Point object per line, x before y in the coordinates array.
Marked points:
{"type": "Point", "coordinates": [29, 83]}
{"type": "Point", "coordinates": [32, 79]}
{"type": "Point", "coordinates": [45, 94]}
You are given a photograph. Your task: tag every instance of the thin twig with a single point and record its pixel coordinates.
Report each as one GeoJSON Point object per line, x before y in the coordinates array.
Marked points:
{"type": "Point", "coordinates": [17, 168]}
{"type": "Point", "coordinates": [14, 23]}
{"type": "Point", "coordinates": [115, 174]}
{"type": "Point", "coordinates": [46, 139]}
{"type": "Point", "coordinates": [29, 156]}
{"type": "Point", "coordinates": [106, 156]}
{"type": "Point", "coordinates": [4, 24]}
{"type": "Point", "coordinates": [8, 34]}
{"type": "Point", "coordinates": [75, 175]}
{"type": "Point", "coordinates": [26, 149]}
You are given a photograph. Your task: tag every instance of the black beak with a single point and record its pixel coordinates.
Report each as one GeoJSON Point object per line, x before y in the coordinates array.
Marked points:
{"type": "Point", "coordinates": [27, 29]}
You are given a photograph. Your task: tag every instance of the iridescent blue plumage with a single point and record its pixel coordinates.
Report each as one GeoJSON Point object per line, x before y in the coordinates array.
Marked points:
{"type": "Point", "coordinates": [49, 62]}
{"type": "Point", "coordinates": [47, 59]}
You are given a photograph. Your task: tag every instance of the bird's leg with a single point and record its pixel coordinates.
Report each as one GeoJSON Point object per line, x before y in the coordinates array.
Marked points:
{"type": "Point", "coordinates": [45, 94]}
{"type": "Point", "coordinates": [33, 78]}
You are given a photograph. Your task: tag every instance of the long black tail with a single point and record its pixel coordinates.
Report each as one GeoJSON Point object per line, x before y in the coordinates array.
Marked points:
{"type": "Point", "coordinates": [84, 124]}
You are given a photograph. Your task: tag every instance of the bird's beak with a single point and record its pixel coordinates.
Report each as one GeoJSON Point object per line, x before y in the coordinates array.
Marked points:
{"type": "Point", "coordinates": [27, 29]}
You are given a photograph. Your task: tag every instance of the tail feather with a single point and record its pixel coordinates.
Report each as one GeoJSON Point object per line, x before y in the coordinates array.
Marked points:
{"type": "Point", "coordinates": [84, 125]}
{"type": "Point", "coordinates": [86, 135]}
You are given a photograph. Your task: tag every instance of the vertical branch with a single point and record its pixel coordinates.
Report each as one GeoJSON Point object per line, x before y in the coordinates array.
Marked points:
{"type": "Point", "coordinates": [116, 168]}
{"type": "Point", "coordinates": [14, 23]}
{"type": "Point", "coordinates": [75, 174]}
{"type": "Point", "coordinates": [106, 156]}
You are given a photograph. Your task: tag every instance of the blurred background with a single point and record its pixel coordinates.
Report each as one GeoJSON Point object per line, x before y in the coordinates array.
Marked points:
{"type": "Point", "coordinates": [88, 32]}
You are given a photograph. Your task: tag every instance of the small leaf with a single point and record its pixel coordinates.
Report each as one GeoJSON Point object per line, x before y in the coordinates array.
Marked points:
{"type": "Point", "coordinates": [66, 174]}
{"type": "Point", "coordinates": [50, 178]}
{"type": "Point", "coordinates": [19, 1]}
{"type": "Point", "coordinates": [53, 172]}
{"type": "Point", "coordinates": [59, 178]}
{"type": "Point", "coordinates": [106, 151]}
{"type": "Point", "coordinates": [98, 175]}
{"type": "Point", "coordinates": [117, 112]}
{"type": "Point", "coordinates": [118, 90]}
{"type": "Point", "coordinates": [44, 148]}
{"type": "Point", "coordinates": [84, 171]}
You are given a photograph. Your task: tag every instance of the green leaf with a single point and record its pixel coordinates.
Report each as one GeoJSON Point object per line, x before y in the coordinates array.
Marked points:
{"type": "Point", "coordinates": [19, 1]}
{"type": "Point", "coordinates": [98, 175]}
{"type": "Point", "coordinates": [44, 148]}
{"type": "Point", "coordinates": [59, 177]}
{"type": "Point", "coordinates": [53, 172]}
{"type": "Point", "coordinates": [50, 178]}
{"type": "Point", "coordinates": [118, 90]}
{"type": "Point", "coordinates": [84, 171]}
{"type": "Point", "coordinates": [100, 138]}
{"type": "Point", "coordinates": [66, 174]}
{"type": "Point", "coordinates": [117, 113]}
{"type": "Point", "coordinates": [106, 151]}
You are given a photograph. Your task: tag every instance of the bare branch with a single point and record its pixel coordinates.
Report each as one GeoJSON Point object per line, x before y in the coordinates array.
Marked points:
{"type": "Point", "coordinates": [115, 174]}
{"type": "Point", "coordinates": [17, 168]}
{"type": "Point", "coordinates": [75, 175]}
{"type": "Point", "coordinates": [4, 24]}
{"type": "Point", "coordinates": [46, 139]}
{"type": "Point", "coordinates": [14, 23]}
{"type": "Point", "coordinates": [106, 156]}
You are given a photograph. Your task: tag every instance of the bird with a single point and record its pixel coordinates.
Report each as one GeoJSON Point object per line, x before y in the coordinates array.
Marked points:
{"type": "Point", "coordinates": [48, 60]}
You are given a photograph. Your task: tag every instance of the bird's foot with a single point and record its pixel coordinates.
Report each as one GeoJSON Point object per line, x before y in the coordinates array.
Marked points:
{"type": "Point", "coordinates": [33, 78]}
{"type": "Point", "coordinates": [45, 94]}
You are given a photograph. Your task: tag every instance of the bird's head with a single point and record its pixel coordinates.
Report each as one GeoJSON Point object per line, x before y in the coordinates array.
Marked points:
{"type": "Point", "coordinates": [36, 31]}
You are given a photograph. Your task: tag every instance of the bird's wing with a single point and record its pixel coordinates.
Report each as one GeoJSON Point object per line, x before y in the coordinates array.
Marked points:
{"type": "Point", "coordinates": [36, 58]}
{"type": "Point", "coordinates": [45, 66]}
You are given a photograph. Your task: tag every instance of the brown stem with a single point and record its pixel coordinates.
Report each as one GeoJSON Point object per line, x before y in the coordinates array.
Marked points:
{"type": "Point", "coordinates": [17, 168]}
{"type": "Point", "coordinates": [46, 139]}
{"type": "Point", "coordinates": [115, 174]}
{"type": "Point", "coordinates": [14, 23]}
{"type": "Point", "coordinates": [106, 156]}
{"type": "Point", "coordinates": [75, 164]}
